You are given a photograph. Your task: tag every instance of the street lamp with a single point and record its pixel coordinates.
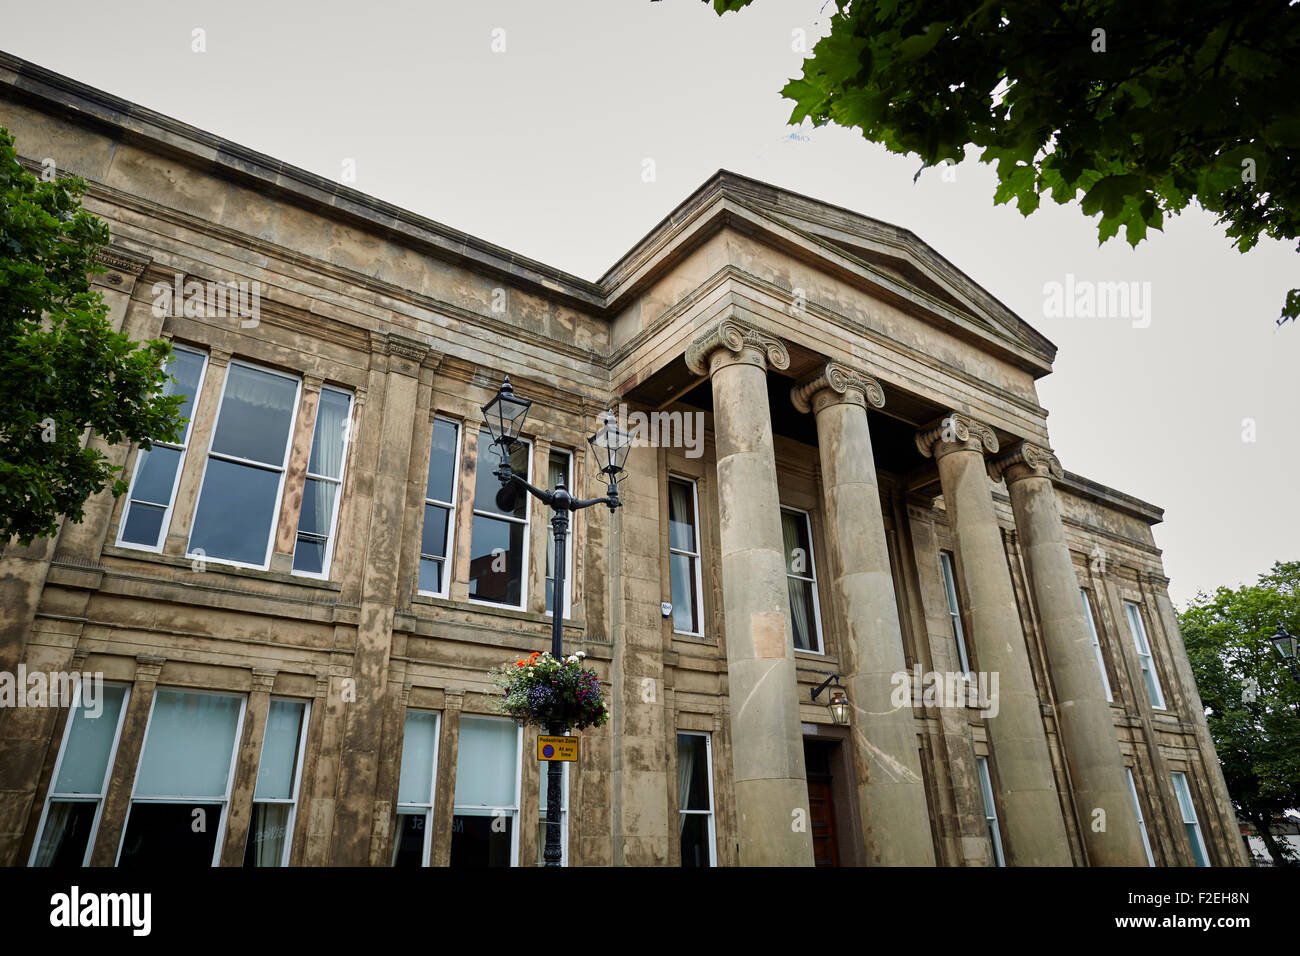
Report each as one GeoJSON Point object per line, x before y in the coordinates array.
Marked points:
{"type": "Point", "coordinates": [1285, 643]}
{"type": "Point", "coordinates": [505, 416]}
{"type": "Point", "coordinates": [838, 704]}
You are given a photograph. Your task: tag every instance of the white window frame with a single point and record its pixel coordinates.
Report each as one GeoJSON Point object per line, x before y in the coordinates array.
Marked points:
{"type": "Point", "coordinates": [990, 810]}
{"type": "Point", "coordinates": [1142, 823]}
{"type": "Point", "coordinates": [1145, 658]}
{"type": "Point", "coordinates": [526, 521]}
{"type": "Point", "coordinates": [445, 575]}
{"type": "Point", "coordinates": [52, 795]}
{"type": "Point", "coordinates": [697, 583]}
{"type": "Point", "coordinates": [811, 578]}
{"type": "Point", "coordinates": [183, 447]}
{"type": "Point", "coordinates": [297, 774]}
{"type": "Point", "coordinates": [418, 809]}
{"type": "Point", "coordinates": [710, 813]}
{"type": "Point", "coordinates": [1096, 642]}
{"type": "Point", "coordinates": [186, 800]}
{"type": "Point", "coordinates": [948, 574]}
{"type": "Point", "coordinates": [328, 560]}
{"type": "Point", "coordinates": [568, 538]}
{"type": "Point", "coordinates": [564, 811]}
{"type": "Point", "coordinates": [283, 469]}
{"type": "Point", "coordinates": [480, 811]}
{"type": "Point", "coordinates": [1183, 790]}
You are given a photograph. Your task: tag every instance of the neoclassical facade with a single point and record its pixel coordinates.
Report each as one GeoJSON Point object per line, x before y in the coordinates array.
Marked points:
{"type": "Point", "coordinates": [846, 477]}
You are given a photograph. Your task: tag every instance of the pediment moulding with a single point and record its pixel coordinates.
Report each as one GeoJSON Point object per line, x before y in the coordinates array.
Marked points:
{"type": "Point", "coordinates": [1024, 461]}
{"type": "Point", "coordinates": [956, 428]}
{"type": "Point", "coordinates": [735, 336]}
{"type": "Point", "coordinates": [838, 380]}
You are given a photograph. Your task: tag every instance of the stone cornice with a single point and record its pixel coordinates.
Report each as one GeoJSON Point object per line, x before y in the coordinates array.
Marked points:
{"type": "Point", "coordinates": [956, 428]}
{"type": "Point", "coordinates": [841, 380]}
{"type": "Point", "coordinates": [121, 260]}
{"type": "Point", "coordinates": [735, 337]}
{"type": "Point", "coordinates": [1025, 460]}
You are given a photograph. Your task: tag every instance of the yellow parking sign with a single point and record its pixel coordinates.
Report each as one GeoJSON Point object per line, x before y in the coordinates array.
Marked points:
{"type": "Point", "coordinates": [557, 748]}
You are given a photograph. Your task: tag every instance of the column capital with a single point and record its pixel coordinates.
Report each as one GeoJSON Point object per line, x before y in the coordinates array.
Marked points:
{"type": "Point", "coordinates": [840, 384]}
{"type": "Point", "coordinates": [263, 679]}
{"type": "Point", "coordinates": [1024, 461]}
{"type": "Point", "coordinates": [956, 428]}
{"type": "Point", "coordinates": [745, 343]}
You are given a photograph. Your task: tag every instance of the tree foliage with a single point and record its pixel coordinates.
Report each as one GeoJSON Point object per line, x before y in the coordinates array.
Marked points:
{"type": "Point", "coordinates": [62, 367]}
{"type": "Point", "coordinates": [1135, 109]}
{"type": "Point", "coordinates": [1252, 702]}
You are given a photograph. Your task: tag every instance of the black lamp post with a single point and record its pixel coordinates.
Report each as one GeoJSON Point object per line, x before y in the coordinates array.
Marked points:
{"type": "Point", "coordinates": [505, 416]}
{"type": "Point", "coordinates": [1285, 643]}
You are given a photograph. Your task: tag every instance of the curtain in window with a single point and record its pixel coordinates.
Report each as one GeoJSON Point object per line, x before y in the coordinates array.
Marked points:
{"type": "Point", "coordinates": [327, 443]}
{"type": "Point", "coordinates": [56, 827]}
{"type": "Point", "coordinates": [800, 612]}
{"type": "Point", "coordinates": [685, 770]}
{"type": "Point", "coordinates": [189, 745]}
{"type": "Point", "coordinates": [681, 517]}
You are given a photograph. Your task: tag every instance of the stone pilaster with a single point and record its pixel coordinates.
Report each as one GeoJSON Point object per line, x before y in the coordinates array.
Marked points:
{"type": "Point", "coordinates": [767, 744]}
{"type": "Point", "coordinates": [1087, 729]}
{"type": "Point", "coordinates": [363, 735]}
{"type": "Point", "coordinates": [250, 756]}
{"type": "Point", "coordinates": [1033, 827]}
{"type": "Point", "coordinates": [890, 788]}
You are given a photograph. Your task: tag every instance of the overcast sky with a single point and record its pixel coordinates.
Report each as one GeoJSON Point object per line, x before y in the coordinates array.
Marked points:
{"type": "Point", "coordinates": [541, 148]}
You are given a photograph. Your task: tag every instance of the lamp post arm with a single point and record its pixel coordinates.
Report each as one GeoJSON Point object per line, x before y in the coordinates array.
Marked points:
{"type": "Point", "coordinates": [546, 497]}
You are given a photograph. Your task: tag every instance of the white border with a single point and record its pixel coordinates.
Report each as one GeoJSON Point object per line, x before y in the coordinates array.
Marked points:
{"type": "Point", "coordinates": [187, 800]}
{"type": "Point", "coordinates": [708, 760]}
{"type": "Point", "coordinates": [51, 794]}
{"type": "Point", "coordinates": [326, 564]}
{"type": "Point", "coordinates": [820, 649]}
{"type": "Point", "coordinates": [527, 521]}
{"type": "Point", "coordinates": [695, 523]}
{"type": "Point", "coordinates": [451, 506]}
{"type": "Point", "coordinates": [264, 466]}
{"type": "Point", "coordinates": [183, 448]}
{"type": "Point", "coordinates": [483, 811]}
{"type": "Point", "coordinates": [297, 774]}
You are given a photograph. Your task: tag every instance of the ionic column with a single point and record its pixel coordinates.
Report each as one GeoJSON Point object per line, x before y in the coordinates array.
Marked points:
{"type": "Point", "coordinates": [891, 792]}
{"type": "Point", "coordinates": [767, 742]}
{"type": "Point", "coordinates": [1034, 828]}
{"type": "Point", "coordinates": [1087, 730]}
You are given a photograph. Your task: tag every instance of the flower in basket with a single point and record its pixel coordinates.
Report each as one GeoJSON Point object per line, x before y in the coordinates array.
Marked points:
{"type": "Point", "coordinates": [539, 689]}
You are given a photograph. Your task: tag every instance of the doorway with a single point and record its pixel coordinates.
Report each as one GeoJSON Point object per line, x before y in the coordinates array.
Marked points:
{"type": "Point", "coordinates": [819, 759]}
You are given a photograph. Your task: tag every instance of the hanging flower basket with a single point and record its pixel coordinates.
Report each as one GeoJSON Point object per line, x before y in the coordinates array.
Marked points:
{"type": "Point", "coordinates": [551, 693]}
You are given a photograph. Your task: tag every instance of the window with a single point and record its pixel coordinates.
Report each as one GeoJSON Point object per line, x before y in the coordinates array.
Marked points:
{"type": "Point", "coordinates": [415, 789]}
{"type": "Point", "coordinates": [484, 820]}
{"type": "Point", "coordinates": [1142, 823]}
{"type": "Point", "coordinates": [684, 556]}
{"type": "Point", "coordinates": [990, 810]}
{"type": "Point", "coordinates": [1144, 655]}
{"type": "Point", "coordinates": [801, 578]}
{"type": "Point", "coordinates": [1189, 819]}
{"type": "Point", "coordinates": [182, 786]}
{"type": "Point", "coordinates": [559, 467]}
{"type": "Point", "coordinates": [695, 798]}
{"type": "Point", "coordinates": [234, 520]}
{"type": "Point", "coordinates": [158, 469]}
{"type": "Point", "coordinates": [71, 815]}
{"type": "Point", "coordinates": [564, 815]}
{"type": "Point", "coordinates": [1096, 642]}
{"type": "Point", "coordinates": [275, 795]}
{"type": "Point", "coordinates": [321, 493]}
{"type": "Point", "coordinates": [439, 508]}
{"type": "Point", "coordinates": [954, 609]}
{"type": "Point", "coordinates": [498, 559]}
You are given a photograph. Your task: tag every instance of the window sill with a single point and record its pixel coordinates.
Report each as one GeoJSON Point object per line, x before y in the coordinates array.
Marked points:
{"type": "Point", "coordinates": [215, 567]}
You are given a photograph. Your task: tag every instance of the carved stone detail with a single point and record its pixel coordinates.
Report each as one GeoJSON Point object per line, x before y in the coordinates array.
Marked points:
{"type": "Point", "coordinates": [839, 379]}
{"type": "Point", "coordinates": [263, 679]}
{"type": "Point", "coordinates": [119, 260]}
{"type": "Point", "coordinates": [735, 337]}
{"type": "Point", "coordinates": [1026, 460]}
{"type": "Point", "coordinates": [956, 428]}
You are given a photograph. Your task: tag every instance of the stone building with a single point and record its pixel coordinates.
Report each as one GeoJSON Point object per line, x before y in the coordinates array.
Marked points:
{"type": "Point", "coordinates": [294, 609]}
